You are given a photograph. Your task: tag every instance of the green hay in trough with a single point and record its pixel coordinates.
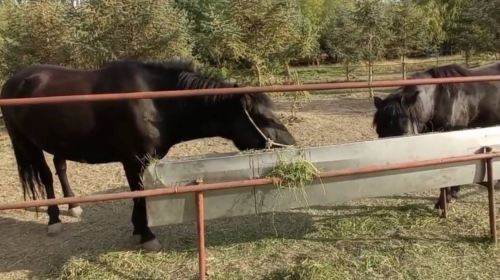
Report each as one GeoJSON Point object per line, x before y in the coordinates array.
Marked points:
{"type": "Point", "coordinates": [294, 175]}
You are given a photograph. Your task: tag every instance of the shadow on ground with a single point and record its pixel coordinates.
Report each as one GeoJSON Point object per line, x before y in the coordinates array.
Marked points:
{"type": "Point", "coordinates": [106, 227]}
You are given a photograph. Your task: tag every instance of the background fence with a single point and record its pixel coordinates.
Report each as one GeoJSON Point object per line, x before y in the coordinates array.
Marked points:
{"type": "Point", "coordinates": [381, 71]}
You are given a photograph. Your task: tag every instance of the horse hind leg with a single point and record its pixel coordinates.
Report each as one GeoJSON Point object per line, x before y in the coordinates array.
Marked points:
{"type": "Point", "coordinates": [54, 225]}
{"type": "Point", "coordinates": [74, 210]}
{"type": "Point", "coordinates": [34, 172]}
{"type": "Point", "coordinates": [454, 191]}
{"type": "Point", "coordinates": [439, 204]}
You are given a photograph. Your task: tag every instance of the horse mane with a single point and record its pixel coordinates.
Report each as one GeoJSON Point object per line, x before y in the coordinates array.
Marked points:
{"type": "Point", "coordinates": [448, 71]}
{"type": "Point", "coordinates": [191, 77]}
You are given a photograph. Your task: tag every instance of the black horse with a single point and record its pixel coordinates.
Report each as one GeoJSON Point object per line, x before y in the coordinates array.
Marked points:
{"type": "Point", "coordinates": [444, 107]}
{"type": "Point", "coordinates": [130, 131]}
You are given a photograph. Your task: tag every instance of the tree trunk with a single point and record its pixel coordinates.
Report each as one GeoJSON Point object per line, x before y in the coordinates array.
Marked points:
{"type": "Point", "coordinates": [288, 72]}
{"type": "Point", "coordinates": [370, 64]}
{"type": "Point", "coordinates": [437, 58]}
{"type": "Point", "coordinates": [259, 74]}
{"type": "Point", "coordinates": [467, 58]}
{"type": "Point", "coordinates": [370, 76]}
{"type": "Point", "coordinates": [403, 67]}
{"type": "Point", "coordinates": [347, 71]}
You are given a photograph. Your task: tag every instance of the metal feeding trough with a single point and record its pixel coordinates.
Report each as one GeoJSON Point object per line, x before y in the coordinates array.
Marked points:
{"type": "Point", "coordinates": [181, 208]}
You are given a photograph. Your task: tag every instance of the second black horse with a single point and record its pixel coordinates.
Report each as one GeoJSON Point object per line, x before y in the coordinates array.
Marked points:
{"type": "Point", "coordinates": [444, 107]}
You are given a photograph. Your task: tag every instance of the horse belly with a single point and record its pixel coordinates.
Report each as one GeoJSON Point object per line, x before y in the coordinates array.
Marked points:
{"type": "Point", "coordinates": [67, 131]}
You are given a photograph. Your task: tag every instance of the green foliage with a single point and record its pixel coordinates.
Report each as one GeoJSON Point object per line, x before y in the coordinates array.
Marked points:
{"type": "Point", "coordinates": [115, 29]}
{"type": "Point", "coordinates": [261, 34]}
{"type": "Point", "coordinates": [341, 37]}
{"type": "Point", "coordinates": [35, 32]}
{"type": "Point", "coordinates": [54, 32]}
{"type": "Point", "coordinates": [474, 30]}
{"type": "Point", "coordinates": [371, 18]}
{"type": "Point", "coordinates": [410, 29]}
{"type": "Point", "coordinates": [314, 10]}
{"type": "Point", "coordinates": [217, 39]}
{"type": "Point", "coordinates": [250, 38]}
{"type": "Point", "coordinates": [435, 21]}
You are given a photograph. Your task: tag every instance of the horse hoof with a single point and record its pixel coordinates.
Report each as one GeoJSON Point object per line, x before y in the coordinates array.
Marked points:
{"type": "Point", "coordinates": [152, 245]}
{"type": "Point", "coordinates": [54, 229]}
{"type": "Point", "coordinates": [437, 205]}
{"type": "Point", "coordinates": [75, 211]}
{"type": "Point", "coordinates": [137, 238]}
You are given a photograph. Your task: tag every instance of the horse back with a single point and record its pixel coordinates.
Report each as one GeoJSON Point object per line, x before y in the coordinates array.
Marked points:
{"type": "Point", "coordinates": [83, 131]}
{"type": "Point", "coordinates": [48, 80]}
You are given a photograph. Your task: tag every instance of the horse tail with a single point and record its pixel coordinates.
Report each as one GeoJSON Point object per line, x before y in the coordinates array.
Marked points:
{"type": "Point", "coordinates": [28, 155]}
{"type": "Point", "coordinates": [29, 173]}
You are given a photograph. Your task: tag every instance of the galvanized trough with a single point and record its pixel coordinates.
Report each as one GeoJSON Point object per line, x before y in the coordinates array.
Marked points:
{"type": "Point", "coordinates": [253, 200]}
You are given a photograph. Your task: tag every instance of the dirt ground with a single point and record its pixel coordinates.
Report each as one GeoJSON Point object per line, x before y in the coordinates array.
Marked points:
{"type": "Point", "coordinates": [28, 253]}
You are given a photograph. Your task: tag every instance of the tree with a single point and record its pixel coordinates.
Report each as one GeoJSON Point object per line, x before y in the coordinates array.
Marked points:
{"type": "Point", "coordinates": [35, 32]}
{"type": "Point", "coordinates": [217, 38]}
{"type": "Point", "coordinates": [371, 18]}
{"type": "Point", "coordinates": [55, 32]}
{"type": "Point", "coordinates": [473, 31]}
{"type": "Point", "coordinates": [493, 21]}
{"type": "Point", "coordinates": [442, 15]}
{"type": "Point", "coordinates": [410, 30]}
{"type": "Point", "coordinates": [130, 29]}
{"type": "Point", "coordinates": [314, 11]}
{"type": "Point", "coordinates": [341, 39]}
{"type": "Point", "coordinates": [264, 35]}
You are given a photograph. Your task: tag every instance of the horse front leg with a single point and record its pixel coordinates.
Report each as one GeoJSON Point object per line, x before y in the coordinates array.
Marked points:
{"type": "Point", "coordinates": [454, 192]}
{"type": "Point", "coordinates": [60, 164]}
{"type": "Point", "coordinates": [439, 203]}
{"type": "Point", "coordinates": [451, 192]}
{"type": "Point", "coordinates": [133, 170]}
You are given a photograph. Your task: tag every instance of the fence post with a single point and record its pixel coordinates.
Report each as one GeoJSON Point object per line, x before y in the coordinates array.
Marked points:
{"type": "Point", "coordinates": [202, 253]}
{"type": "Point", "coordinates": [491, 200]}
{"type": "Point", "coordinates": [444, 203]}
{"type": "Point", "coordinates": [370, 78]}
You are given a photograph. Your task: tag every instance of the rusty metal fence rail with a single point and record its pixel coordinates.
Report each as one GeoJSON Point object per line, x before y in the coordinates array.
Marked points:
{"type": "Point", "coordinates": [240, 90]}
{"type": "Point", "coordinates": [486, 156]}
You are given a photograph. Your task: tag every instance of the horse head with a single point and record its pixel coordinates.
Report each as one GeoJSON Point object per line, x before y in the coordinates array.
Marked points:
{"type": "Point", "coordinates": [246, 119]}
{"type": "Point", "coordinates": [398, 114]}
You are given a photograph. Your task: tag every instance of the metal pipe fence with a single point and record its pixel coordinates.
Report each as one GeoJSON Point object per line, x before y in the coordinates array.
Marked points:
{"type": "Point", "coordinates": [240, 90]}
{"type": "Point", "coordinates": [199, 190]}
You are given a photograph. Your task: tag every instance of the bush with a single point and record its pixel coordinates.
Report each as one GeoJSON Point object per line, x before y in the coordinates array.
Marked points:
{"type": "Point", "coordinates": [54, 32]}
{"type": "Point", "coordinates": [131, 29]}
{"type": "Point", "coordinates": [35, 32]}
{"type": "Point", "coordinates": [262, 35]}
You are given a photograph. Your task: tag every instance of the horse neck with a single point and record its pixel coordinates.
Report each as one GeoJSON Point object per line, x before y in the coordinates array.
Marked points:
{"type": "Point", "coordinates": [193, 118]}
{"type": "Point", "coordinates": [190, 118]}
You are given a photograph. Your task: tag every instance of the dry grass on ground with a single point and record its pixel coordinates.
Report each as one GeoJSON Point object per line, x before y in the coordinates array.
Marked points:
{"type": "Point", "coordinates": [398, 237]}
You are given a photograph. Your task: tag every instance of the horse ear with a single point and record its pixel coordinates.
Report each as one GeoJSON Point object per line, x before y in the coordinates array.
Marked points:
{"type": "Point", "coordinates": [377, 101]}
{"type": "Point", "coordinates": [410, 98]}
